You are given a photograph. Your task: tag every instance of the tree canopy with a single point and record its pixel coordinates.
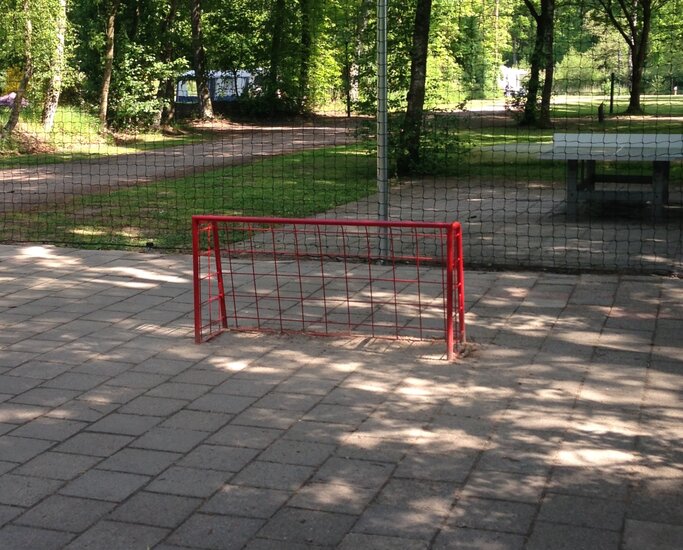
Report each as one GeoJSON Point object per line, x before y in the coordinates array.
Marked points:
{"type": "Point", "coordinates": [122, 58]}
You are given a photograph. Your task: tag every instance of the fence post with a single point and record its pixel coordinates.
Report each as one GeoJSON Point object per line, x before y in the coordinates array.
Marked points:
{"type": "Point", "coordinates": [382, 127]}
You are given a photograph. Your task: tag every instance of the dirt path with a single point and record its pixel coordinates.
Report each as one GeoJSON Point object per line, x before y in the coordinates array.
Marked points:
{"type": "Point", "coordinates": [27, 188]}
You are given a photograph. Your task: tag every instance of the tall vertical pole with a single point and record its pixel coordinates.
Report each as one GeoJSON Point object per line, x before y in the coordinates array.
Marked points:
{"type": "Point", "coordinates": [382, 126]}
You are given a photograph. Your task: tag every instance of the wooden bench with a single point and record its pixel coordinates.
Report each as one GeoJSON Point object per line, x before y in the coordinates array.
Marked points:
{"type": "Point", "coordinates": [583, 151]}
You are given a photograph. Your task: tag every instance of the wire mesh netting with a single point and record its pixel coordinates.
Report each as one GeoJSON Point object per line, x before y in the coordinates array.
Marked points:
{"type": "Point", "coordinates": [327, 277]}
{"type": "Point", "coordinates": [552, 131]}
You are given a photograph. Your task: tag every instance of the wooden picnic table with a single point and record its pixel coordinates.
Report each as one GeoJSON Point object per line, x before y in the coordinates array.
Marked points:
{"type": "Point", "coordinates": [583, 151]}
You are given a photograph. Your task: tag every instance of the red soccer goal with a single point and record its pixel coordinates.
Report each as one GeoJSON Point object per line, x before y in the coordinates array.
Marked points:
{"type": "Point", "coordinates": [329, 277]}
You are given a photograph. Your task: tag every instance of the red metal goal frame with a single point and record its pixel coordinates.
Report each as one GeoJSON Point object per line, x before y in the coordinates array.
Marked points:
{"type": "Point", "coordinates": [423, 261]}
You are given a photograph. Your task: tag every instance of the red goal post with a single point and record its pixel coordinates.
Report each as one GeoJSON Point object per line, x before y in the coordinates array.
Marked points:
{"type": "Point", "coordinates": [329, 277]}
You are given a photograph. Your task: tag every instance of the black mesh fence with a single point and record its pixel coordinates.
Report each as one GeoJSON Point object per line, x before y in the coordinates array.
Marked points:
{"type": "Point", "coordinates": [552, 131]}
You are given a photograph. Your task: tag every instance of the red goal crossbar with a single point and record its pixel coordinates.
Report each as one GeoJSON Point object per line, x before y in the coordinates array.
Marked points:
{"type": "Point", "coordinates": [329, 277]}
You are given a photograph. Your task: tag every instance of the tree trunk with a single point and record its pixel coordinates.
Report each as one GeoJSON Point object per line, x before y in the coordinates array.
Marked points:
{"type": "Point", "coordinates": [638, 50]}
{"type": "Point", "coordinates": [306, 51]}
{"type": "Point", "coordinates": [108, 60]}
{"type": "Point", "coordinates": [54, 87]}
{"type": "Point", "coordinates": [548, 15]}
{"type": "Point", "coordinates": [409, 153]}
{"type": "Point", "coordinates": [167, 88]}
{"type": "Point", "coordinates": [13, 120]}
{"type": "Point", "coordinates": [200, 69]}
{"type": "Point", "coordinates": [277, 37]}
{"type": "Point", "coordinates": [541, 57]}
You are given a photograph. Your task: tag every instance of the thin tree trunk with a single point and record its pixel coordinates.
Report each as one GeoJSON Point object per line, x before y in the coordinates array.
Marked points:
{"type": "Point", "coordinates": [277, 37]}
{"type": "Point", "coordinates": [13, 120]}
{"type": "Point", "coordinates": [108, 60]}
{"type": "Point", "coordinates": [306, 51]}
{"type": "Point", "coordinates": [541, 57]}
{"type": "Point", "coordinates": [548, 14]}
{"type": "Point", "coordinates": [354, 70]}
{"type": "Point", "coordinates": [167, 88]}
{"type": "Point", "coordinates": [54, 87]}
{"type": "Point", "coordinates": [411, 131]}
{"type": "Point", "coordinates": [200, 69]}
{"type": "Point", "coordinates": [638, 50]}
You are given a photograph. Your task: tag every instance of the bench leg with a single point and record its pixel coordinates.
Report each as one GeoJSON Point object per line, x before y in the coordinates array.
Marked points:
{"type": "Point", "coordinates": [572, 187]}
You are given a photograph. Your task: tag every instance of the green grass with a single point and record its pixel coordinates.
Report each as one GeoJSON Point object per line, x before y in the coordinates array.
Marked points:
{"type": "Point", "coordinates": [295, 185]}
{"type": "Point", "coordinates": [75, 136]}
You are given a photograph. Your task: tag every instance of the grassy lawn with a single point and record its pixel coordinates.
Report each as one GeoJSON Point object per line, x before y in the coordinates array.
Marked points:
{"type": "Point", "coordinates": [76, 136]}
{"type": "Point", "coordinates": [300, 184]}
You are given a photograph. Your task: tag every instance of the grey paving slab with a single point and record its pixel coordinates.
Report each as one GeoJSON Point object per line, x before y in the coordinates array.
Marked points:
{"type": "Point", "coordinates": [52, 429]}
{"type": "Point", "coordinates": [110, 535]}
{"type": "Point", "coordinates": [560, 429]}
{"type": "Point", "coordinates": [216, 532]}
{"type": "Point", "coordinates": [63, 513]}
{"type": "Point", "coordinates": [104, 485]}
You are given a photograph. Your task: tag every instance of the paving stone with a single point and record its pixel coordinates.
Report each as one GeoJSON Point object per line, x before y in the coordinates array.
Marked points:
{"type": "Point", "coordinates": [7, 513]}
{"type": "Point", "coordinates": [139, 380]}
{"type": "Point", "coordinates": [505, 485]}
{"type": "Point", "coordinates": [16, 384]}
{"type": "Point", "coordinates": [197, 420]}
{"type": "Point", "coordinates": [399, 521]}
{"type": "Point", "coordinates": [57, 465]}
{"type": "Point", "coordinates": [287, 401]}
{"type": "Point", "coordinates": [307, 384]}
{"type": "Point", "coordinates": [546, 536]}
{"type": "Point", "coordinates": [140, 461]}
{"type": "Point", "coordinates": [246, 501]}
{"type": "Point", "coordinates": [492, 515]}
{"type": "Point", "coordinates": [657, 500]}
{"type": "Point", "coordinates": [436, 467]}
{"type": "Point", "coordinates": [307, 526]}
{"type": "Point", "coordinates": [333, 497]}
{"type": "Point", "coordinates": [46, 397]}
{"type": "Point", "coordinates": [21, 449]}
{"type": "Point", "coordinates": [104, 485]}
{"type": "Point", "coordinates": [270, 544]}
{"type": "Point", "coordinates": [245, 387]}
{"type": "Point", "coordinates": [267, 418]}
{"type": "Point", "coordinates": [168, 439]}
{"type": "Point", "coordinates": [125, 424]}
{"type": "Point", "coordinates": [52, 429]}
{"type": "Point", "coordinates": [175, 390]}
{"type": "Point", "coordinates": [30, 538]}
{"type": "Point", "coordinates": [191, 482]}
{"type": "Point", "coordinates": [86, 411]}
{"type": "Point", "coordinates": [153, 406]}
{"type": "Point", "coordinates": [319, 432]}
{"type": "Point", "coordinates": [589, 482]}
{"type": "Point", "coordinates": [583, 511]}
{"type": "Point", "coordinates": [416, 494]}
{"type": "Point", "coordinates": [216, 532]}
{"type": "Point", "coordinates": [219, 403]}
{"type": "Point", "coordinates": [646, 534]}
{"type": "Point", "coordinates": [166, 366]}
{"type": "Point", "coordinates": [354, 472]}
{"type": "Point", "coordinates": [15, 413]}
{"type": "Point", "coordinates": [94, 444]}
{"type": "Point", "coordinates": [110, 535]}
{"type": "Point", "coordinates": [270, 475]}
{"type": "Point", "coordinates": [64, 513]}
{"type": "Point", "coordinates": [76, 381]}
{"type": "Point", "coordinates": [245, 436]}
{"type": "Point", "coordinates": [156, 509]}
{"type": "Point", "coordinates": [474, 538]}
{"type": "Point", "coordinates": [297, 452]}
{"type": "Point", "coordinates": [354, 541]}
{"type": "Point", "coordinates": [338, 414]}
{"type": "Point", "coordinates": [16, 490]}
{"type": "Point", "coordinates": [219, 457]}
{"type": "Point", "coordinates": [107, 394]}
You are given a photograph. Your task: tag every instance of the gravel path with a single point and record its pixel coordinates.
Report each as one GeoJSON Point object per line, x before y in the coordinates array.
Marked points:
{"type": "Point", "coordinates": [25, 188]}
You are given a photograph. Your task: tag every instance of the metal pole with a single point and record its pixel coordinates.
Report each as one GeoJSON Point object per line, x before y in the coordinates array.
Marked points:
{"type": "Point", "coordinates": [382, 126]}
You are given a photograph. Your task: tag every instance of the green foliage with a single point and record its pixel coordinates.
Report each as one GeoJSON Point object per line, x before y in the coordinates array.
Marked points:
{"type": "Point", "coordinates": [134, 102]}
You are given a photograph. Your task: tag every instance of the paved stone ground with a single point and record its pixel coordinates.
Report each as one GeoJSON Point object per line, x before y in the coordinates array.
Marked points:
{"type": "Point", "coordinates": [561, 430]}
